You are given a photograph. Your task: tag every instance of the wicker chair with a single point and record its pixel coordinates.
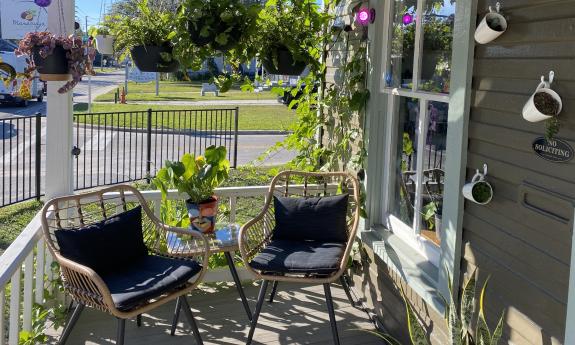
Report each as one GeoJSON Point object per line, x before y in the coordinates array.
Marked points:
{"type": "Point", "coordinates": [86, 287]}
{"type": "Point", "coordinates": [258, 233]}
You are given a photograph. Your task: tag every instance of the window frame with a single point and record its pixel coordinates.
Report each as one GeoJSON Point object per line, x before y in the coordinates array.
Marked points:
{"type": "Point", "coordinates": [378, 173]}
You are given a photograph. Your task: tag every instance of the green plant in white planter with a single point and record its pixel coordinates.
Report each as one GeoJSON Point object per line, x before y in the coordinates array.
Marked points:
{"type": "Point", "coordinates": [104, 39]}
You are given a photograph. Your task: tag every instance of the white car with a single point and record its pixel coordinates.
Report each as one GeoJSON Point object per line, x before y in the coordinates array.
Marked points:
{"type": "Point", "coordinates": [10, 64]}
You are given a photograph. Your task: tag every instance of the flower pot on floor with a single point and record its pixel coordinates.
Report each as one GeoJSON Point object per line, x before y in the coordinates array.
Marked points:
{"type": "Point", "coordinates": [53, 67]}
{"type": "Point", "coordinates": [286, 64]}
{"type": "Point", "coordinates": [154, 58]}
{"type": "Point", "coordinates": [492, 26]}
{"type": "Point", "coordinates": [105, 44]}
{"type": "Point", "coordinates": [478, 190]}
{"type": "Point", "coordinates": [203, 215]}
{"type": "Point", "coordinates": [543, 104]}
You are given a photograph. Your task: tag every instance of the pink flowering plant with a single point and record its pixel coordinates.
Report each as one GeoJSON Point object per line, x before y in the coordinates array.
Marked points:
{"type": "Point", "coordinates": [79, 54]}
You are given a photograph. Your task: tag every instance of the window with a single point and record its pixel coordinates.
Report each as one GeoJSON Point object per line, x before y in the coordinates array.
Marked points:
{"type": "Point", "coordinates": [417, 84]}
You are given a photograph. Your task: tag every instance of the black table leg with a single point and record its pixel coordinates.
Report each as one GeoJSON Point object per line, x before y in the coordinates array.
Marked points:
{"type": "Point", "coordinates": [238, 283]}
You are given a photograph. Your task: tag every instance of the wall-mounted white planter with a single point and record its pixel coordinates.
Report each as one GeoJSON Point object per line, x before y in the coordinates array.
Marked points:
{"type": "Point", "coordinates": [533, 113]}
{"type": "Point", "coordinates": [105, 44]}
{"type": "Point", "coordinates": [492, 26]}
{"type": "Point", "coordinates": [478, 190]}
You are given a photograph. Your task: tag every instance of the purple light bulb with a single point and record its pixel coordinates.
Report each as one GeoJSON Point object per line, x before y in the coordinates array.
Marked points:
{"type": "Point", "coordinates": [407, 19]}
{"type": "Point", "coordinates": [43, 3]}
{"type": "Point", "coordinates": [363, 16]}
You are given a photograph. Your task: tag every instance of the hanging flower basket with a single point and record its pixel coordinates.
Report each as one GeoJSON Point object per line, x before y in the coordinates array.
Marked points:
{"type": "Point", "coordinates": [281, 61]}
{"type": "Point", "coordinates": [492, 26]}
{"type": "Point", "coordinates": [155, 58]}
{"type": "Point", "coordinates": [199, 34]}
{"type": "Point", "coordinates": [544, 104]}
{"type": "Point", "coordinates": [53, 67]}
{"type": "Point", "coordinates": [105, 44]}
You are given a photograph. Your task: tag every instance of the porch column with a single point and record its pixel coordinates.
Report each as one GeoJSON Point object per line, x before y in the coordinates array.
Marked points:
{"type": "Point", "coordinates": [570, 321]}
{"type": "Point", "coordinates": [59, 132]}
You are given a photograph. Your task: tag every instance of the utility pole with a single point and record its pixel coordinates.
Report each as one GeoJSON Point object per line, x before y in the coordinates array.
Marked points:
{"type": "Point", "coordinates": [89, 74]}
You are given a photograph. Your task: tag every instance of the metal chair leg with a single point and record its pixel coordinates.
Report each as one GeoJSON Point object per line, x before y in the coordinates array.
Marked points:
{"type": "Point", "coordinates": [139, 320]}
{"type": "Point", "coordinates": [274, 291]}
{"type": "Point", "coordinates": [71, 323]}
{"type": "Point", "coordinates": [261, 297]}
{"type": "Point", "coordinates": [176, 316]}
{"type": "Point", "coordinates": [191, 320]}
{"type": "Point", "coordinates": [331, 312]}
{"type": "Point", "coordinates": [344, 283]}
{"type": "Point", "coordinates": [121, 331]}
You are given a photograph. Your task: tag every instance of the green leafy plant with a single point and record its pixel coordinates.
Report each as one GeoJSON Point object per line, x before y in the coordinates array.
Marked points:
{"type": "Point", "coordinates": [428, 212]}
{"type": "Point", "coordinates": [482, 192]}
{"type": "Point", "coordinates": [144, 27]}
{"type": "Point", "coordinates": [195, 176]}
{"type": "Point", "coordinates": [458, 319]}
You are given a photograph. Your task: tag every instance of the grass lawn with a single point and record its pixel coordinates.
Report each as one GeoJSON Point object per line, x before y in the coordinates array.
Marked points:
{"type": "Point", "coordinates": [272, 117]}
{"type": "Point", "coordinates": [181, 91]}
{"type": "Point", "coordinates": [14, 218]}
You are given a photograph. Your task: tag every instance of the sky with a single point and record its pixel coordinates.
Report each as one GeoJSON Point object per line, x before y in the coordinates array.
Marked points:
{"type": "Point", "coordinates": [90, 8]}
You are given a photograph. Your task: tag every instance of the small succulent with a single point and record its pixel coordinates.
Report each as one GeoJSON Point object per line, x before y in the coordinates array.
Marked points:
{"type": "Point", "coordinates": [79, 54]}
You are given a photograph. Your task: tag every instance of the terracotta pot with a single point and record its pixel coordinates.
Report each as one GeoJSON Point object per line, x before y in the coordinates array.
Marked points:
{"type": "Point", "coordinates": [286, 64]}
{"type": "Point", "coordinates": [150, 58]}
{"type": "Point", "coordinates": [203, 215]}
{"type": "Point", "coordinates": [54, 67]}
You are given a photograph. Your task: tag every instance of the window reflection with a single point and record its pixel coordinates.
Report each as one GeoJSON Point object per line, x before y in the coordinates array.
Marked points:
{"type": "Point", "coordinates": [400, 71]}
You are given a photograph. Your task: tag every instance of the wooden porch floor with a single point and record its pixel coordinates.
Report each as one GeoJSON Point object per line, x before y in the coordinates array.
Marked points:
{"type": "Point", "coordinates": [297, 316]}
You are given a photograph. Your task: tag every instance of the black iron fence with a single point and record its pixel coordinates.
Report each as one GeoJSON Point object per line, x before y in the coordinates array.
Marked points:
{"type": "Point", "coordinates": [113, 147]}
{"type": "Point", "coordinates": [21, 161]}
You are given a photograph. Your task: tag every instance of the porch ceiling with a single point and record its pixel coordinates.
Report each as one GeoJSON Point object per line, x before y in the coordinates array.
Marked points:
{"type": "Point", "coordinates": [297, 316]}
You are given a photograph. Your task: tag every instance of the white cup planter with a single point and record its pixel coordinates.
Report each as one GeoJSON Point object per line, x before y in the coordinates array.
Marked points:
{"type": "Point", "coordinates": [492, 26]}
{"type": "Point", "coordinates": [533, 111]}
{"type": "Point", "coordinates": [478, 190]}
{"type": "Point", "coordinates": [105, 44]}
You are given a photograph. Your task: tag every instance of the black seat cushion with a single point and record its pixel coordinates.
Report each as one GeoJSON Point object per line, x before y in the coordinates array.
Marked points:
{"type": "Point", "coordinates": [107, 245]}
{"type": "Point", "coordinates": [311, 257]}
{"type": "Point", "coordinates": [316, 219]}
{"type": "Point", "coordinates": [148, 278]}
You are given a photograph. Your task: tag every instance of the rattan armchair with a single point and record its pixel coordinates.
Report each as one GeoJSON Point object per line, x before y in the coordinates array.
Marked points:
{"type": "Point", "coordinates": [259, 232]}
{"type": "Point", "coordinates": [86, 286]}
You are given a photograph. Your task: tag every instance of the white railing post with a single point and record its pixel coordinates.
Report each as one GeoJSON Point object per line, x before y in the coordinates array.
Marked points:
{"type": "Point", "coordinates": [2, 303]}
{"type": "Point", "coordinates": [28, 293]}
{"type": "Point", "coordinates": [40, 271]}
{"type": "Point", "coordinates": [233, 205]}
{"type": "Point", "coordinates": [13, 333]}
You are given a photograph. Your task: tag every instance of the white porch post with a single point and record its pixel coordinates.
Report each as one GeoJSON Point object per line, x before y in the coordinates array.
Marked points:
{"type": "Point", "coordinates": [59, 132]}
{"type": "Point", "coordinates": [570, 321]}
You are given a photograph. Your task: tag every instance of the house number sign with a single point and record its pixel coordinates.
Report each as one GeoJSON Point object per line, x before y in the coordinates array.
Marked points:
{"type": "Point", "coordinates": [553, 150]}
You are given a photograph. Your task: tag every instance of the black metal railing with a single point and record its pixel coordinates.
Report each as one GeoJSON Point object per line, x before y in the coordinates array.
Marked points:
{"type": "Point", "coordinates": [129, 146]}
{"type": "Point", "coordinates": [21, 144]}
{"type": "Point", "coordinates": [112, 147]}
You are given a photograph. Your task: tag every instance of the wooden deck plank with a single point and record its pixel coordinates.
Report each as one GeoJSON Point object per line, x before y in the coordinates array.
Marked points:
{"type": "Point", "coordinates": [297, 316]}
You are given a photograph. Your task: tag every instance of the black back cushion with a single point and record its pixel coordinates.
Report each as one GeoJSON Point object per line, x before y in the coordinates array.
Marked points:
{"type": "Point", "coordinates": [108, 245]}
{"type": "Point", "coordinates": [318, 219]}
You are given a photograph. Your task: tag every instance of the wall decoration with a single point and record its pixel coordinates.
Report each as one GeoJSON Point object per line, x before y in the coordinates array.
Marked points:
{"type": "Point", "coordinates": [492, 26]}
{"type": "Point", "coordinates": [553, 150]}
{"type": "Point", "coordinates": [478, 190]}
{"type": "Point", "coordinates": [21, 17]}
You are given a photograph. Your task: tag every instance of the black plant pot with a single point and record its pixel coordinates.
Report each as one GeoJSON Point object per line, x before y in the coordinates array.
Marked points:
{"type": "Point", "coordinates": [54, 67]}
{"type": "Point", "coordinates": [152, 59]}
{"type": "Point", "coordinates": [234, 36]}
{"type": "Point", "coordinates": [195, 30]}
{"type": "Point", "coordinates": [286, 64]}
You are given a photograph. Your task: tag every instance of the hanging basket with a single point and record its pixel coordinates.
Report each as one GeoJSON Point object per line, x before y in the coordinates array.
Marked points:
{"type": "Point", "coordinates": [195, 29]}
{"type": "Point", "coordinates": [286, 64]}
{"type": "Point", "coordinates": [492, 26]}
{"type": "Point", "coordinates": [54, 67]}
{"type": "Point", "coordinates": [105, 44]}
{"type": "Point", "coordinates": [154, 58]}
{"type": "Point", "coordinates": [544, 103]}
{"type": "Point", "coordinates": [234, 36]}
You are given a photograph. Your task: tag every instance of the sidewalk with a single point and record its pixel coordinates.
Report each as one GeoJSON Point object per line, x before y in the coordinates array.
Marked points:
{"type": "Point", "coordinates": [239, 102]}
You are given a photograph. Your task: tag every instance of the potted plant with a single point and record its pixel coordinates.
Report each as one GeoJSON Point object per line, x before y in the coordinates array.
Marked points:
{"type": "Point", "coordinates": [197, 177]}
{"type": "Point", "coordinates": [57, 58]}
{"type": "Point", "coordinates": [491, 26]}
{"type": "Point", "coordinates": [104, 39]}
{"type": "Point", "coordinates": [146, 36]}
{"type": "Point", "coordinates": [286, 39]}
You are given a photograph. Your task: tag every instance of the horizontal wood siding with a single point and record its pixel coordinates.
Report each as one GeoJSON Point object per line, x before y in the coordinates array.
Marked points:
{"type": "Point", "coordinates": [527, 253]}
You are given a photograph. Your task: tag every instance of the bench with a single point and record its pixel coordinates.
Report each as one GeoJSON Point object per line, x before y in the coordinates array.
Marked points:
{"type": "Point", "coordinates": [206, 87]}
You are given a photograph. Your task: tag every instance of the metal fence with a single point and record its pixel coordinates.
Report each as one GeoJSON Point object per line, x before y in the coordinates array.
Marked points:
{"type": "Point", "coordinates": [21, 160]}
{"type": "Point", "coordinates": [113, 147]}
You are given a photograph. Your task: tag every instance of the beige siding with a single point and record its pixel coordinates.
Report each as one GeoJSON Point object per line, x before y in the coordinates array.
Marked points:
{"type": "Point", "coordinates": [526, 252]}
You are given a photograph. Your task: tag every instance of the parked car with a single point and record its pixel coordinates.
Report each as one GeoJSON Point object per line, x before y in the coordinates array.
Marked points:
{"type": "Point", "coordinates": [10, 92]}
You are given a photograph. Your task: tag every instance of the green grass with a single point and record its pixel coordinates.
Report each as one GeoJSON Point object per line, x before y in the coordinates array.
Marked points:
{"type": "Point", "coordinates": [272, 117]}
{"type": "Point", "coordinates": [181, 91]}
{"type": "Point", "coordinates": [14, 218]}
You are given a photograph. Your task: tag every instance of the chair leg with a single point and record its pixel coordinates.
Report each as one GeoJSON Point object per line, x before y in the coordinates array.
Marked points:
{"type": "Point", "coordinates": [191, 320]}
{"type": "Point", "coordinates": [176, 316]}
{"type": "Point", "coordinates": [343, 280]}
{"type": "Point", "coordinates": [274, 291]}
{"type": "Point", "coordinates": [121, 331]}
{"type": "Point", "coordinates": [139, 320]}
{"type": "Point", "coordinates": [71, 323]}
{"type": "Point", "coordinates": [331, 312]}
{"type": "Point", "coordinates": [261, 297]}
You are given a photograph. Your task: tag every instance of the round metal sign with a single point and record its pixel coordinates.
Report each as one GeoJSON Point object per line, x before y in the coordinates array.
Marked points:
{"type": "Point", "coordinates": [553, 150]}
